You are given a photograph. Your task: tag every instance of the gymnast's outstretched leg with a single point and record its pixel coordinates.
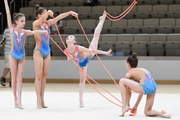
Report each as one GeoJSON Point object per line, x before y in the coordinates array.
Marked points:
{"type": "Point", "coordinates": [97, 32]}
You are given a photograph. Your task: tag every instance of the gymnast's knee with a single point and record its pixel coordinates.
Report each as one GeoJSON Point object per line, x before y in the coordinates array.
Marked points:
{"type": "Point", "coordinates": [82, 79]}
{"type": "Point", "coordinates": [146, 113]}
{"type": "Point", "coordinates": [44, 74]}
{"type": "Point", "coordinates": [121, 80]}
{"type": "Point", "coordinates": [38, 78]}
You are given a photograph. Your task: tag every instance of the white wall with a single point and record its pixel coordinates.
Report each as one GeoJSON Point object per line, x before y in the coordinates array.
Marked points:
{"type": "Point", "coordinates": [162, 68]}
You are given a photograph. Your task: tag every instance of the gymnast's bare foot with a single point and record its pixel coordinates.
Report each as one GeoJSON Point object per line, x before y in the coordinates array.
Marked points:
{"type": "Point", "coordinates": [39, 106]}
{"type": "Point", "coordinates": [81, 102]}
{"type": "Point", "coordinates": [164, 114]}
{"type": "Point", "coordinates": [18, 105]}
{"type": "Point", "coordinates": [15, 105]}
{"type": "Point", "coordinates": [44, 106]}
{"type": "Point", "coordinates": [103, 16]}
{"type": "Point", "coordinates": [123, 111]}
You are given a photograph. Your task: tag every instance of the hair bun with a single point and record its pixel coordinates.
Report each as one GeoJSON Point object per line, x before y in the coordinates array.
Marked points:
{"type": "Point", "coordinates": [134, 55]}
{"type": "Point", "coordinates": [14, 15]}
{"type": "Point", "coordinates": [36, 7]}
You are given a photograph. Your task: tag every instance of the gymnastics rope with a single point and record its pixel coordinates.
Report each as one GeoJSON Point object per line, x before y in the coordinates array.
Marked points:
{"type": "Point", "coordinates": [122, 15]}
{"type": "Point", "coordinates": [113, 19]}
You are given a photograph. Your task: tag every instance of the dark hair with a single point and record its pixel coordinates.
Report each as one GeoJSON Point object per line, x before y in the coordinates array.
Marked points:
{"type": "Point", "coordinates": [16, 16]}
{"type": "Point", "coordinates": [56, 13]}
{"type": "Point", "coordinates": [72, 35]}
{"type": "Point", "coordinates": [38, 10]}
{"type": "Point", "coordinates": [133, 60]}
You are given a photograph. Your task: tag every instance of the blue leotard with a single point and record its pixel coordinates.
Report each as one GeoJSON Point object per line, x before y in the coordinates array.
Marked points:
{"type": "Point", "coordinates": [18, 51]}
{"type": "Point", "coordinates": [45, 48]}
{"type": "Point", "coordinates": [149, 86]}
{"type": "Point", "coordinates": [79, 59]}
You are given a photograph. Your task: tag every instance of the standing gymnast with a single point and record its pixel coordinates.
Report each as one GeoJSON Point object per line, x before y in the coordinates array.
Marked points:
{"type": "Point", "coordinates": [82, 55]}
{"type": "Point", "coordinates": [17, 58]}
{"type": "Point", "coordinates": [42, 50]}
{"type": "Point", "coordinates": [141, 81]}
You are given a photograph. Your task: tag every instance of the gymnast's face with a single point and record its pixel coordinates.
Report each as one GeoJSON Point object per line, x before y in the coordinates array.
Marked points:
{"type": "Point", "coordinates": [39, 15]}
{"type": "Point", "coordinates": [70, 39]}
{"type": "Point", "coordinates": [21, 22]}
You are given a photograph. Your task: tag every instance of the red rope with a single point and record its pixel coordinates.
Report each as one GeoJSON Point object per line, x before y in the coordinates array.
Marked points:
{"type": "Point", "coordinates": [122, 15]}
{"type": "Point", "coordinates": [59, 34]}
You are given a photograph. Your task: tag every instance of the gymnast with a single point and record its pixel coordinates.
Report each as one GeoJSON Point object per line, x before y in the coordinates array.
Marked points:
{"type": "Point", "coordinates": [141, 81]}
{"type": "Point", "coordinates": [17, 58]}
{"type": "Point", "coordinates": [82, 55]}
